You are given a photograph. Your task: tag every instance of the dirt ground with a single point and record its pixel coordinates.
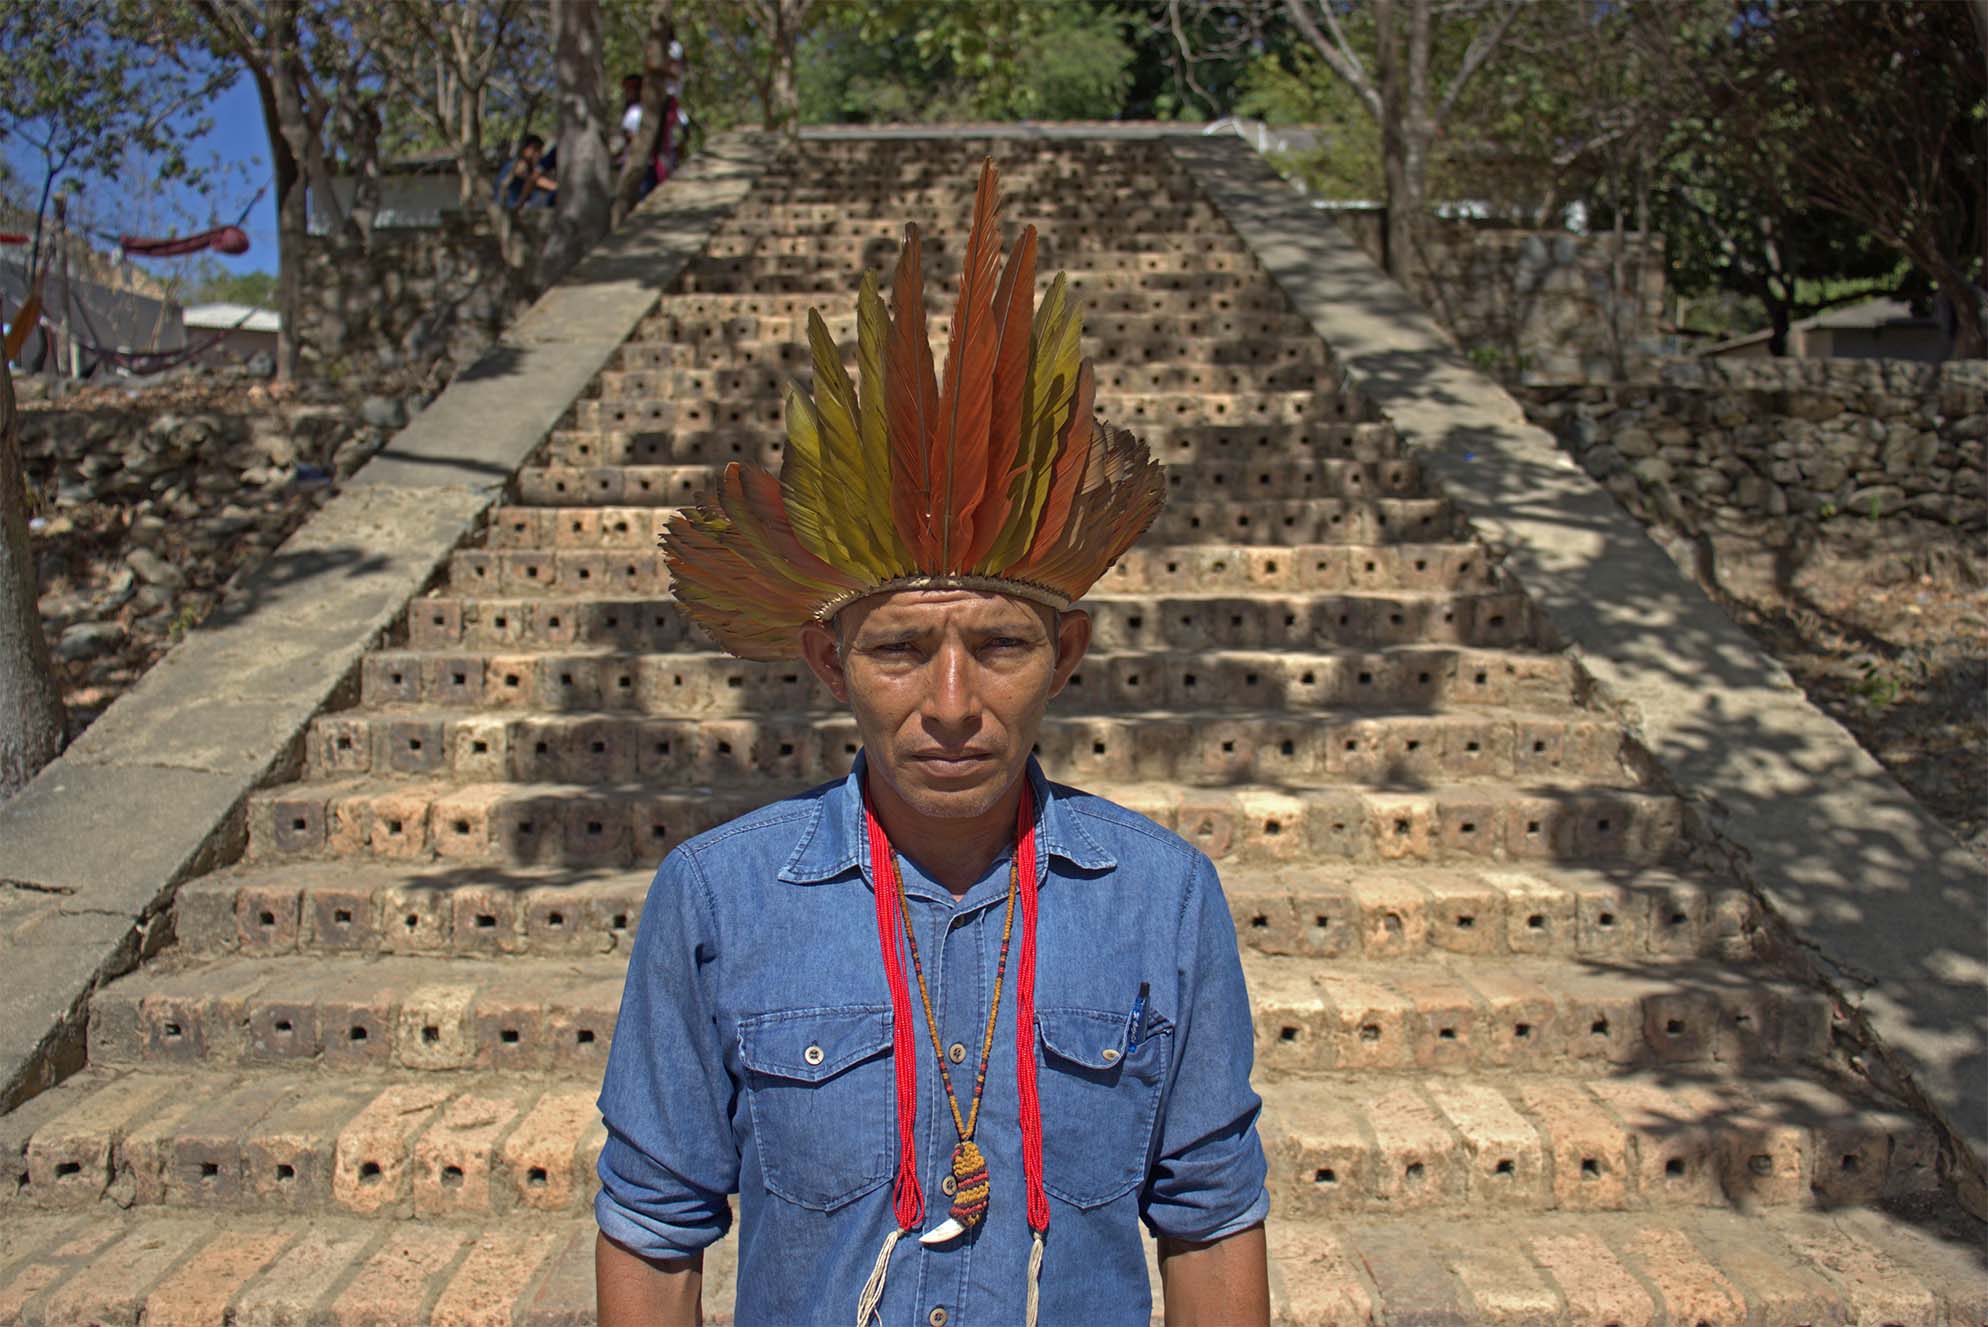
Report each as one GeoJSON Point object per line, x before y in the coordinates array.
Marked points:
{"type": "Point", "coordinates": [1890, 642]}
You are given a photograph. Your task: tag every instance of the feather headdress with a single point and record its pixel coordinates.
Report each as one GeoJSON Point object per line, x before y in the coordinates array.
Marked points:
{"type": "Point", "coordinates": [1001, 479]}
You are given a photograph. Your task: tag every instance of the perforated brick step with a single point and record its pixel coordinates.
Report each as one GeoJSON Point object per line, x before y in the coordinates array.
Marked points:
{"type": "Point", "coordinates": [1306, 630]}
{"type": "Point", "coordinates": [1771, 1266]}
{"type": "Point", "coordinates": [587, 825]}
{"type": "Point", "coordinates": [708, 322]}
{"type": "Point", "coordinates": [708, 684]}
{"type": "Point", "coordinates": [1130, 410]}
{"type": "Point", "coordinates": [682, 485]}
{"type": "Point", "coordinates": [694, 347]}
{"type": "Point", "coordinates": [555, 622]}
{"type": "Point", "coordinates": [1536, 1015]}
{"type": "Point", "coordinates": [1187, 570]}
{"type": "Point", "coordinates": [1624, 1141]}
{"type": "Point", "coordinates": [208, 1269]}
{"type": "Point", "coordinates": [838, 265]}
{"type": "Point", "coordinates": [1642, 916]}
{"type": "Point", "coordinates": [1298, 751]}
{"type": "Point", "coordinates": [532, 1016]}
{"type": "Point", "coordinates": [1188, 444]}
{"type": "Point", "coordinates": [1114, 382]}
{"type": "Point", "coordinates": [301, 1140]}
{"type": "Point", "coordinates": [1776, 1267]}
{"type": "Point", "coordinates": [407, 1143]}
{"type": "Point", "coordinates": [1182, 525]}
{"type": "Point", "coordinates": [554, 1013]}
{"type": "Point", "coordinates": [1195, 314]}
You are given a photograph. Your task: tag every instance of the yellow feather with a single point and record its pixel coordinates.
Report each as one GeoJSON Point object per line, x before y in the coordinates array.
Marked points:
{"type": "Point", "coordinates": [872, 422]}
{"type": "Point", "coordinates": [804, 485]}
{"type": "Point", "coordinates": [848, 517]}
{"type": "Point", "coordinates": [1046, 394]}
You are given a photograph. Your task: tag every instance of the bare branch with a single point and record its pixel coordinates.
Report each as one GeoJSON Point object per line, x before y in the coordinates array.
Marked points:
{"type": "Point", "coordinates": [1482, 47]}
{"type": "Point", "coordinates": [1337, 52]}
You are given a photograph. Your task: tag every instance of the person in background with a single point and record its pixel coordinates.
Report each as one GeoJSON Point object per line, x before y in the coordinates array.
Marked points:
{"type": "Point", "coordinates": [527, 181]}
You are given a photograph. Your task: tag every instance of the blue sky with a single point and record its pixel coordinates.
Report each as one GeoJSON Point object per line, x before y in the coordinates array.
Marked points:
{"type": "Point", "coordinates": [237, 143]}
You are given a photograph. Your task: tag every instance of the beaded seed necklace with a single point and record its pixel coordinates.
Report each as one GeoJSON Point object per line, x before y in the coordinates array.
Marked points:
{"type": "Point", "coordinates": [969, 1167]}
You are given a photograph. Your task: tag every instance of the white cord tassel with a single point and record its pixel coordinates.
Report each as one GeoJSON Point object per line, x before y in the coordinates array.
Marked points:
{"type": "Point", "coordinates": [873, 1289]}
{"type": "Point", "coordinates": [1035, 1276]}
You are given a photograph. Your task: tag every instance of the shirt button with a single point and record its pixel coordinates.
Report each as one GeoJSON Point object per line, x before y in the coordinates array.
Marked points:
{"type": "Point", "coordinates": [937, 1317]}
{"type": "Point", "coordinates": [813, 1055]}
{"type": "Point", "coordinates": [956, 1053]}
{"type": "Point", "coordinates": [1110, 1052]}
{"type": "Point", "coordinates": [948, 1185]}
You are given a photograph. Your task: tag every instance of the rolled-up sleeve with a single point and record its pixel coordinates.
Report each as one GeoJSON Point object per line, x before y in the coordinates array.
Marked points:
{"type": "Point", "coordinates": [670, 1158]}
{"type": "Point", "coordinates": [1208, 1173]}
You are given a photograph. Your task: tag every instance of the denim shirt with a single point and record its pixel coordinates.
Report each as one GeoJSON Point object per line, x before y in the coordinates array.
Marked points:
{"type": "Point", "coordinates": [752, 1055]}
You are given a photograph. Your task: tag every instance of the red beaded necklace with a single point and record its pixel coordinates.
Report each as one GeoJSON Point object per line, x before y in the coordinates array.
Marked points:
{"type": "Point", "coordinates": [909, 1199]}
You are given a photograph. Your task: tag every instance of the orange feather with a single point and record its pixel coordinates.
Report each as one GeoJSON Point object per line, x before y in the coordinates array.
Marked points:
{"type": "Point", "coordinates": [1014, 311]}
{"type": "Point", "coordinates": [1073, 451]}
{"type": "Point", "coordinates": [912, 398]}
{"type": "Point", "coordinates": [965, 404]}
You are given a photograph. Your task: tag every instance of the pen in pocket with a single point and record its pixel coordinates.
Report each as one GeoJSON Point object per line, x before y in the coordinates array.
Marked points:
{"type": "Point", "coordinates": [1137, 1020]}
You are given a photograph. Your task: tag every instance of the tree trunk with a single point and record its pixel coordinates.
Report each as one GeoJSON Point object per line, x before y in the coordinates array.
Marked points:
{"type": "Point", "coordinates": [783, 98]}
{"type": "Point", "coordinates": [292, 226]}
{"type": "Point", "coordinates": [584, 171]}
{"type": "Point", "coordinates": [655, 72]}
{"type": "Point", "coordinates": [30, 704]}
{"type": "Point", "coordinates": [1401, 77]}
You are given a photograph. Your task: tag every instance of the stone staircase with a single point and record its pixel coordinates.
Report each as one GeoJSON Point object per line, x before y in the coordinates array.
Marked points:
{"type": "Point", "coordinates": [1519, 1061]}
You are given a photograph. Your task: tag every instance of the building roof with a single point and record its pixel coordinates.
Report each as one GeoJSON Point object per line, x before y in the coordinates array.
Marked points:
{"type": "Point", "coordinates": [225, 317]}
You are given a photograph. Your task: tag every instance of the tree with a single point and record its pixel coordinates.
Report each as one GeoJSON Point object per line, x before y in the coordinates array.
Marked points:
{"type": "Point", "coordinates": [301, 61]}
{"type": "Point", "coordinates": [1889, 104]}
{"type": "Point", "coordinates": [84, 83]}
{"type": "Point", "coordinates": [783, 23]}
{"type": "Point", "coordinates": [586, 195]}
{"type": "Point", "coordinates": [1393, 83]}
{"type": "Point", "coordinates": [459, 75]}
{"type": "Point", "coordinates": [640, 151]}
{"type": "Point", "coordinates": [976, 59]}
{"type": "Point", "coordinates": [31, 717]}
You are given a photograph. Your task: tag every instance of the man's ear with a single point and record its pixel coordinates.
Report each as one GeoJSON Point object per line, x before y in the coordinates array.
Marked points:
{"type": "Point", "coordinates": [824, 659]}
{"type": "Point", "coordinates": [1073, 638]}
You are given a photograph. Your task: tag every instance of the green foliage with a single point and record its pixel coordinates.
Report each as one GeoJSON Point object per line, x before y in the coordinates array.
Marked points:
{"type": "Point", "coordinates": [86, 82]}
{"type": "Point", "coordinates": [221, 285]}
{"type": "Point", "coordinates": [1298, 89]}
{"type": "Point", "coordinates": [902, 60]}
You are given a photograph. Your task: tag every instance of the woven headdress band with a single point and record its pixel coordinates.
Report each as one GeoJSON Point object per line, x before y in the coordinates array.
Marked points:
{"type": "Point", "coordinates": [1003, 480]}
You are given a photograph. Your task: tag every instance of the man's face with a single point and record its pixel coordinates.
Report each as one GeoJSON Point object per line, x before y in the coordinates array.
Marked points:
{"type": "Point", "coordinates": [530, 153]}
{"type": "Point", "coordinates": [948, 688]}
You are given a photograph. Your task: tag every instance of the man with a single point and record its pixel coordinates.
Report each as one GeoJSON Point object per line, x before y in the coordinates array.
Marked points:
{"type": "Point", "coordinates": [527, 181]}
{"type": "Point", "coordinates": [951, 1032]}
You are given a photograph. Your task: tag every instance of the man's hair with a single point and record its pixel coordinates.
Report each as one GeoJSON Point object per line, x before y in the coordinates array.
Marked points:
{"type": "Point", "coordinates": [636, 79]}
{"type": "Point", "coordinates": [530, 140]}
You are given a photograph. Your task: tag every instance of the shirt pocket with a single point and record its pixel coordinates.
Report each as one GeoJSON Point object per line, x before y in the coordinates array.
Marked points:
{"type": "Point", "coordinates": [1098, 1102]}
{"type": "Point", "coordinates": [818, 1087]}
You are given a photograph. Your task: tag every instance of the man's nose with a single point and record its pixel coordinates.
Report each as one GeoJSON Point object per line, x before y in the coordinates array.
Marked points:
{"type": "Point", "coordinates": [954, 700]}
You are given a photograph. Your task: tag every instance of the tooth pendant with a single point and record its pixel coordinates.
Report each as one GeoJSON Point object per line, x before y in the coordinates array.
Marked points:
{"type": "Point", "coordinates": [946, 1230]}
{"type": "Point", "coordinates": [970, 1188]}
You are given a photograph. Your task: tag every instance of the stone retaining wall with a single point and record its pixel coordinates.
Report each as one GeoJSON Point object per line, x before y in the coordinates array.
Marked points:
{"type": "Point", "coordinates": [1849, 444]}
{"type": "Point", "coordinates": [411, 306]}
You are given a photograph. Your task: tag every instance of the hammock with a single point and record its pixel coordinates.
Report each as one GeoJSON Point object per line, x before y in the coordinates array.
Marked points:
{"type": "Point", "coordinates": [221, 239]}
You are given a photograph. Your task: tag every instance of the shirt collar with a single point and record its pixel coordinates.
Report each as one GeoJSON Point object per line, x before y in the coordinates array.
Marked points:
{"type": "Point", "coordinates": [836, 842]}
